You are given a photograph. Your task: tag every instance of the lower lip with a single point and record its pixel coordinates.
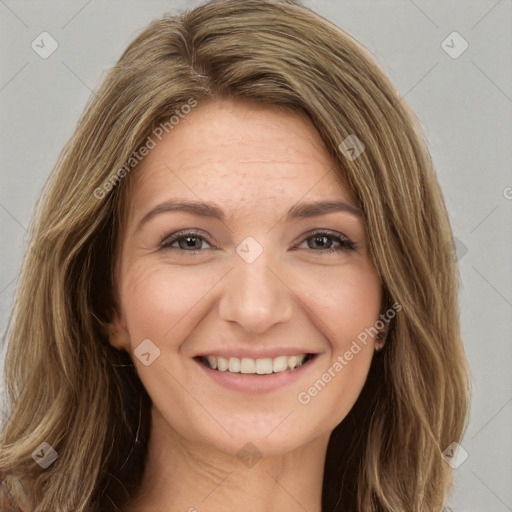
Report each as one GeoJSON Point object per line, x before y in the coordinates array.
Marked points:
{"type": "Point", "coordinates": [257, 383]}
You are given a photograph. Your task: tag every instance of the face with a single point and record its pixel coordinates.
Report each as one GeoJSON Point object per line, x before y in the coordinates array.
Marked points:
{"type": "Point", "coordinates": [250, 279]}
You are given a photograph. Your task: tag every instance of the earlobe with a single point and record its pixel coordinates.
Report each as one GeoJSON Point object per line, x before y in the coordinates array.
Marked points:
{"type": "Point", "coordinates": [383, 333]}
{"type": "Point", "coordinates": [381, 341]}
{"type": "Point", "coordinates": [118, 336]}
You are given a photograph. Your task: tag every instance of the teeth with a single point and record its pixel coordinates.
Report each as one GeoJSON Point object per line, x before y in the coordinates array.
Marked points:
{"type": "Point", "coordinates": [294, 361]}
{"type": "Point", "coordinates": [248, 365]}
{"type": "Point", "coordinates": [222, 363]}
{"type": "Point", "coordinates": [280, 364]}
{"type": "Point", "coordinates": [234, 364]}
{"type": "Point", "coordinates": [263, 366]}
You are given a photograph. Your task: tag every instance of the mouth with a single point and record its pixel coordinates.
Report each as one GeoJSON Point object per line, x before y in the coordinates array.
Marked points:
{"type": "Point", "coordinates": [262, 366]}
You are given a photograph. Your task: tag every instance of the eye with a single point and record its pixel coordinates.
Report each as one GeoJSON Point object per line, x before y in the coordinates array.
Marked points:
{"type": "Point", "coordinates": [191, 242]}
{"type": "Point", "coordinates": [322, 238]}
{"type": "Point", "coordinates": [188, 241]}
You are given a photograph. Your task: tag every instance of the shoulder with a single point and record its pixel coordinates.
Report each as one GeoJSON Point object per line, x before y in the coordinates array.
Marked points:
{"type": "Point", "coordinates": [7, 502]}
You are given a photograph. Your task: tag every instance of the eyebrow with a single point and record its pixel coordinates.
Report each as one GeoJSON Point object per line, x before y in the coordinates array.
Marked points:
{"type": "Point", "coordinates": [212, 210]}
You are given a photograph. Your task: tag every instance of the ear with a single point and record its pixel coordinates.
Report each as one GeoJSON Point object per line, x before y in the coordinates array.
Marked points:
{"type": "Point", "coordinates": [118, 334]}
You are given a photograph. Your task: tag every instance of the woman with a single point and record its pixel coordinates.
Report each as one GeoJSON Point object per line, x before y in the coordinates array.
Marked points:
{"type": "Point", "coordinates": [240, 283]}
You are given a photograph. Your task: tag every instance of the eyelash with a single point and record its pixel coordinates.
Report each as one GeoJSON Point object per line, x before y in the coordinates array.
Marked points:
{"type": "Point", "coordinates": [344, 243]}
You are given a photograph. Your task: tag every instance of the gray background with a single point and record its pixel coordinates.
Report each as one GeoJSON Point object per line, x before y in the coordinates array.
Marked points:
{"type": "Point", "coordinates": [464, 105]}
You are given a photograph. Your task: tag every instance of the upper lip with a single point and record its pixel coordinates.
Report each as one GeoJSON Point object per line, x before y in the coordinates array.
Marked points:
{"type": "Point", "coordinates": [255, 353]}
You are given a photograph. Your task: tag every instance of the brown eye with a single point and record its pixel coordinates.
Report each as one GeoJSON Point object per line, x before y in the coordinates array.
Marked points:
{"type": "Point", "coordinates": [186, 242]}
{"type": "Point", "coordinates": [321, 239]}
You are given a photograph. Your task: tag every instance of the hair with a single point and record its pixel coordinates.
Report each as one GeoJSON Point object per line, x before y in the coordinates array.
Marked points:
{"type": "Point", "coordinates": [67, 386]}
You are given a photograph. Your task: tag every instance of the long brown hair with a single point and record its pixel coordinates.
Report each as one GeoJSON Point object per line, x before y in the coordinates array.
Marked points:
{"type": "Point", "coordinates": [67, 386]}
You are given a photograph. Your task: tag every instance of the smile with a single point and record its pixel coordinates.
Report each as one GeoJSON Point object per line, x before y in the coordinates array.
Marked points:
{"type": "Point", "coordinates": [247, 365]}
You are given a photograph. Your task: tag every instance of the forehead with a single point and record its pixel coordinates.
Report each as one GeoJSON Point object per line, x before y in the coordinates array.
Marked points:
{"type": "Point", "coordinates": [237, 152]}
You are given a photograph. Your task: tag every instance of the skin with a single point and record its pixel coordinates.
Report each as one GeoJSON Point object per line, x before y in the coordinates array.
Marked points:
{"type": "Point", "coordinates": [255, 162]}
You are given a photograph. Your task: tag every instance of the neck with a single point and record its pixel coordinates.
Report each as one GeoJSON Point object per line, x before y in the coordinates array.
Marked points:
{"type": "Point", "coordinates": [188, 476]}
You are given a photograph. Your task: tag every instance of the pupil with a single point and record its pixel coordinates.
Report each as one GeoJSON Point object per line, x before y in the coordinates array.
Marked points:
{"type": "Point", "coordinates": [188, 239]}
{"type": "Point", "coordinates": [322, 237]}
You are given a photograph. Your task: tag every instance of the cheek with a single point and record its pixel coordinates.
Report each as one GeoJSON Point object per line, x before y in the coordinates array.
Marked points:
{"type": "Point", "coordinates": [348, 307]}
{"type": "Point", "coordinates": [167, 303]}
{"type": "Point", "coordinates": [346, 300]}
{"type": "Point", "coordinates": [159, 301]}
{"type": "Point", "coordinates": [156, 299]}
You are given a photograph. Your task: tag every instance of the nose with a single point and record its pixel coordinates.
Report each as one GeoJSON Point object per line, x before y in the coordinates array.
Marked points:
{"type": "Point", "coordinates": [256, 295]}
